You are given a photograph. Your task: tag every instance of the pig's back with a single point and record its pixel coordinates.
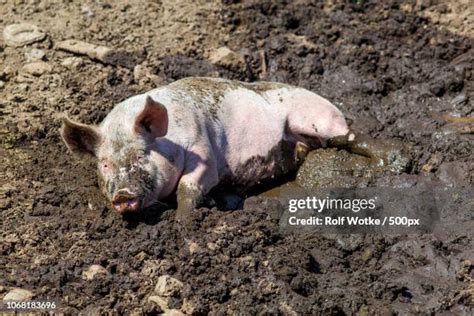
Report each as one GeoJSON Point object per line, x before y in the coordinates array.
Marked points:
{"type": "Point", "coordinates": [245, 128]}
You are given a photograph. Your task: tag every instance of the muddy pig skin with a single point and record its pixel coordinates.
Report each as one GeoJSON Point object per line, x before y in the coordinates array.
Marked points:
{"type": "Point", "coordinates": [196, 133]}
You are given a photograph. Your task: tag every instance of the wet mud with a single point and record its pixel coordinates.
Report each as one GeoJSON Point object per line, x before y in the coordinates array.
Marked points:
{"type": "Point", "coordinates": [395, 68]}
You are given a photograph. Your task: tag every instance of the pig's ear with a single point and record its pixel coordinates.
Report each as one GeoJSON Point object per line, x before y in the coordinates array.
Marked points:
{"type": "Point", "coordinates": [153, 119]}
{"type": "Point", "coordinates": [80, 137]}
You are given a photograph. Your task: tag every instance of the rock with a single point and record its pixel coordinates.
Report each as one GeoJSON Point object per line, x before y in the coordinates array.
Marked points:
{"type": "Point", "coordinates": [104, 54]}
{"type": "Point", "coordinates": [150, 267]}
{"type": "Point", "coordinates": [168, 286]}
{"type": "Point", "coordinates": [7, 73]}
{"type": "Point", "coordinates": [37, 68]}
{"type": "Point", "coordinates": [350, 242]}
{"type": "Point", "coordinates": [143, 74]}
{"type": "Point", "coordinates": [2, 84]}
{"type": "Point", "coordinates": [286, 309]}
{"type": "Point", "coordinates": [173, 312]}
{"type": "Point", "coordinates": [466, 296]}
{"type": "Point", "coordinates": [433, 163]}
{"type": "Point", "coordinates": [162, 302]}
{"type": "Point", "coordinates": [423, 4]}
{"type": "Point", "coordinates": [156, 267]}
{"type": "Point", "coordinates": [367, 255]}
{"type": "Point", "coordinates": [266, 287]}
{"type": "Point", "coordinates": [35, 54]}
{"type": "Point", "coordinates": [22, 34]}
{"type": "Point", "coordinates": [212, 246]}
{"type": "Point", "coordinates": [225, 57]}
{"type": "Point", "coordinates": [18, 295]}
{"type": "Point", "coordinates": [93, 271]}
{"type": "Point", "coordinates": [193, 247]}
{"type": "Point", "coordinates": [247, 261]}
{"type": "Point", "coordinates": [188, 307]}
{"type": "Point", "coordinates": [459, 100]}
{"type": "Point", "coordinates": [87, 11]}
{"type": "Point", "coordinates": [141, 256]}
{"type": "Point", "coordinates": [140, 72]}
{"type": "Point", "coordinates": [72, 62]}
{"type": "Point", "coordinates": [83, 48]}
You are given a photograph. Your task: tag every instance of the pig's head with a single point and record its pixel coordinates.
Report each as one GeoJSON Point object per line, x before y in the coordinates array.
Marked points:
{"type": "Point", "coordinates": [127, 174]}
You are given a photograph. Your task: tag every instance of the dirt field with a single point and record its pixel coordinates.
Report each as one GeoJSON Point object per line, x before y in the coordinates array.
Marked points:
{"type": "Point", "coordinates": [399, 70]}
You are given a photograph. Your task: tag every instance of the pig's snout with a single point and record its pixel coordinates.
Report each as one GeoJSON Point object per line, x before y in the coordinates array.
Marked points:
{"type": "Point", "coordinates": [125, 201]}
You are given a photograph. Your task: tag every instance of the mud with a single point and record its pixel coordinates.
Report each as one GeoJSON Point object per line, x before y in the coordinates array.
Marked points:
{"type": "Point", "coordinates": [398, 70]}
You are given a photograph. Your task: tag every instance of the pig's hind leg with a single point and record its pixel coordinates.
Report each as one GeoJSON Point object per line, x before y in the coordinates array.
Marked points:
{"type": "Point", "coordinates": [199, 177]}
{"type": "Point", "coordinates": [315, 122]}
{"type": "Point", "coordinates": [312, 119]}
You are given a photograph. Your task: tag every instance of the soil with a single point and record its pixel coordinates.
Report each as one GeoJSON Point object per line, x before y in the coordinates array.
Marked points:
{"type": "Point", "coordinates": [401, 70]}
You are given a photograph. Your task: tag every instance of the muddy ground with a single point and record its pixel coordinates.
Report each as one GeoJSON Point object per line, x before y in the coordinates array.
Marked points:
{"type": "Point", "coordinates": [398, 69]}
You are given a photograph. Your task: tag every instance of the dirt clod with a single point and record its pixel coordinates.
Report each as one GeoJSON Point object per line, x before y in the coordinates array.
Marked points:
{"type": "Point", "coordinates": [18, 295]}
{"type": "Point", "coordinates": [22, 34]}
{"type": "Point", "coordinates": [168, 286]}
{"type": "Point", "coordinates": [93, 271]}
{"type": "Point", "coordinates": [37, 68]}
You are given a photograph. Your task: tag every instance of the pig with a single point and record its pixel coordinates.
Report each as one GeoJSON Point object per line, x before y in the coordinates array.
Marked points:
{"type": "Point", "coordinates": [196, 133]}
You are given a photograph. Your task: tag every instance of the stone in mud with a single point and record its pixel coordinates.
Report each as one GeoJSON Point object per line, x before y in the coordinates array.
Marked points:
{"type": "Point", "coordinates": [433, 163]}
{"type": "Point", "coordinates": [18, 295]}
{"type": "Point", "coordinates": [349, 243]}
{"type": "Point", "coordinates": [107, 55]}
{"type": "Point", "coordinates": [93, 271]}
{"type": "Point", "coordinates": [18, 35]}
{"type": "Point", "coordinates": [143, 74]}
{"type": "Point", "coordinates": [266, 288]}
{"type": "Point", "coordinates": [35, 54]}
{"type": "Point", "coordinates": [162, 302]}
{"type": "Point", "coordinates": [173, 312]}
{"type": "Point", "coordinates": [7, 73]}
{"type": "Point", "coordinates": [227, 58]}
{"type": "Point", "coordinates": [193, 247]}
{"type": "Point", "coordinates": [459, 100]}
{"type": "Point", "coordinates": [286, 309]}
{"type": "Point", "coordinates": [157, 267]}
{"type": "Point", "coordinates": [168, 286]}
{"type": "Point", "coordinates": [37, 68]}
{"type": "Point", "coordinates": [72, 62]}
{"type": "Point", "coordinates": [189, 306]}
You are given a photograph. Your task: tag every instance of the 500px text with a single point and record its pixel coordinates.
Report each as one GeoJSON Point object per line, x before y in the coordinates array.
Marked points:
{"type": "Point", "coordinates": [354, 221]}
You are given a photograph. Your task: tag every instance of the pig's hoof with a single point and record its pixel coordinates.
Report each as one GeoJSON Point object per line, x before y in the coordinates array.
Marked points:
{"type": "Point", "coordinates": [184, 215]}
{"type": "Point", "coordinates": [301, 151]}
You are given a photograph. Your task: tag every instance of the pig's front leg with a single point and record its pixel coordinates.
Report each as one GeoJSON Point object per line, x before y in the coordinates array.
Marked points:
{"type": "Point", "coordinates": [189, 196]}
{"type": "Point", "coordinates": [199, 177]}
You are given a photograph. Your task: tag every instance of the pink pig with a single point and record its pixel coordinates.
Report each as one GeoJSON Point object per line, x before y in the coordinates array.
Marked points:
{"type": "Point", "coordinates": [195, 133]}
